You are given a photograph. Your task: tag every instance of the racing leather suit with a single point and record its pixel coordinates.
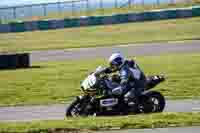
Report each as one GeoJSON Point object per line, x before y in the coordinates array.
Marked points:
{"type": "Point", "coordinates": [132, 79]}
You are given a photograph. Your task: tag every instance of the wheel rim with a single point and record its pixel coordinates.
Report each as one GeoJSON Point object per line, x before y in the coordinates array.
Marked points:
{"type": "Point", "coordinates": [145, 106]}
{"type": "Point", "coordinates": [75, 112]}
{"type": "Point", "coordinates": [141, 108]}
{"type": "Point", "coordinates": [155, 103]}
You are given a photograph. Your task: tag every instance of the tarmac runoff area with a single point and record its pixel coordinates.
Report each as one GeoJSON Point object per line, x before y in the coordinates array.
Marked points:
{"type": "Point", "coordinates": [177, 47]}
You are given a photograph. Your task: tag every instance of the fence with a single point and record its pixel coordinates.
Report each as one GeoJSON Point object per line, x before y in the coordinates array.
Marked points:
{"type": "Point", "coordinates": [72, 7]}
{"type": "Point", "coordinates": [101, 20]}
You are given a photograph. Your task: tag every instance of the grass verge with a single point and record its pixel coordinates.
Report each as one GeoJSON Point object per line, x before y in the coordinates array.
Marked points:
{"type": "Point", "coordinates": [104, 123]}
{"type": "Point", "coordinates": [97, 36]}
{"type": "Point", "coordinates": [58, 82]}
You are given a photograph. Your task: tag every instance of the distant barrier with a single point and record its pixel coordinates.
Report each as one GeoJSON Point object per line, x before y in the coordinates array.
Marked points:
{"type": "Point", "coordinates": [73, 7]}
{"type": "Point", "coordinates": [101, 20]}
{"type": "Point", "coordinates": [13, 61]}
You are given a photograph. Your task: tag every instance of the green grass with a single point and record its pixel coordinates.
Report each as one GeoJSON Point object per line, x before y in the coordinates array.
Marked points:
{"type": "Point", "coordinates": [59, 82]}
{"type": "Point", "coordinates": [110, 11]}
{"type": "Point", "coordinates": [101, 123]}
{"type": "Point", "coordinates": [96, 36]}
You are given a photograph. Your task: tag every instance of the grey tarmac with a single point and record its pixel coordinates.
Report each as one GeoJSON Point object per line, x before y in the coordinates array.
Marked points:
{"type": "Point", "coordinates": [128, 50]}
{"type": "Point", "coordinates": [57, 112]}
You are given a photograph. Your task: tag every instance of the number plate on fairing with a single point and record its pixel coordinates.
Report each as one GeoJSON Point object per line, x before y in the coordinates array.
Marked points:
{"type": "Point", "coordinates": [108, 102]}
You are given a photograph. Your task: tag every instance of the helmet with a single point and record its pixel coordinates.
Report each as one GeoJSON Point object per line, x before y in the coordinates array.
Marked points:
{"type": "Point", "coordinates": [116, 60]}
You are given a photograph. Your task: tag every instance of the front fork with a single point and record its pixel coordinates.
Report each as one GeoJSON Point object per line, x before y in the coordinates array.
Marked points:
{"type": "Point", "coordinates": [88, 104]}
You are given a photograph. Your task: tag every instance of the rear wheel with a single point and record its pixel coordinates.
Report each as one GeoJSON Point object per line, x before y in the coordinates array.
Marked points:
{"type": "Point", "coordinates": [151, 102]}
{"type": "Point", "coordinates": [144, 105]}
{"type": "Point", "coordinates": [157, 100]}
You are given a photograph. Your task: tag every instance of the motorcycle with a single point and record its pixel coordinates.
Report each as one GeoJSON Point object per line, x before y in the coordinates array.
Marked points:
{"type": "Point", "coordinates": [96, 100]}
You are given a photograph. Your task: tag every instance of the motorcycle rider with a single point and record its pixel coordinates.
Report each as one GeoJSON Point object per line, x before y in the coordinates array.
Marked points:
{"type": "Point", "coordinates": [132, 79]}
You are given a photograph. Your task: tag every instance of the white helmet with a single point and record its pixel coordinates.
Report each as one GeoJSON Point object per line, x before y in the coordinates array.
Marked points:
{"type": "Point", "coordinates": [116, 59]}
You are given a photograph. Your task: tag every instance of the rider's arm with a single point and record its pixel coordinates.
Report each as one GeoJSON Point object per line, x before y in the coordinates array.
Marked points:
{"type": "Point", "coordinates": [124, 76]}
{"type": "Point", "coordinates": [108, 70]}
{"type": "Point", "coordinates": [121, 89]}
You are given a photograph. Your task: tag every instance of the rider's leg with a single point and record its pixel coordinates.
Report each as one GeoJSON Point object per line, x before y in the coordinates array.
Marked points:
{"type": "Point", "coordinates": [131, 97]}
{"type": "Point", "coordinates": [117, 91]}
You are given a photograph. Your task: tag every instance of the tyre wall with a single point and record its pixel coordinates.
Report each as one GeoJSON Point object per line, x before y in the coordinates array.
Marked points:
{"type": "Point", "coordinates": [101, 20]}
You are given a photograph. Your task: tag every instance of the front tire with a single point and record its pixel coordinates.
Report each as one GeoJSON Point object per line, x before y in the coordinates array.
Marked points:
{"type": "Point", "coordinates": [72, 110]}
{"type": "Point", "coordinates": [80, 107]}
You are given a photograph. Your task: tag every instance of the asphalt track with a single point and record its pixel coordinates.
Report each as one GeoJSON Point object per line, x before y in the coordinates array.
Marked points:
{"type": "Point", "coordinates": [57, 112]}
{"type": "Point", "coordinates": [128, 50]}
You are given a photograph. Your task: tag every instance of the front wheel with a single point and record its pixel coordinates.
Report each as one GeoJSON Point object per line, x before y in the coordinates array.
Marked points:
{"type": "Point", "coordinates": [73, 110]}
{"type": "Point", "coordinates": [80, 107]}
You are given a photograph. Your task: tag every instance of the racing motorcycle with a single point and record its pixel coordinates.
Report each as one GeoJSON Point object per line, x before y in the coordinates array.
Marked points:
{"type": "Point", "coordinates": [96, 100]}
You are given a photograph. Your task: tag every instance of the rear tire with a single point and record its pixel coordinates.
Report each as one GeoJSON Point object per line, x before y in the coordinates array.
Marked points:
{"type": "Point", "coordinates": [145, 105]}
{"type": "Point", "coordinates": [157, 100]}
